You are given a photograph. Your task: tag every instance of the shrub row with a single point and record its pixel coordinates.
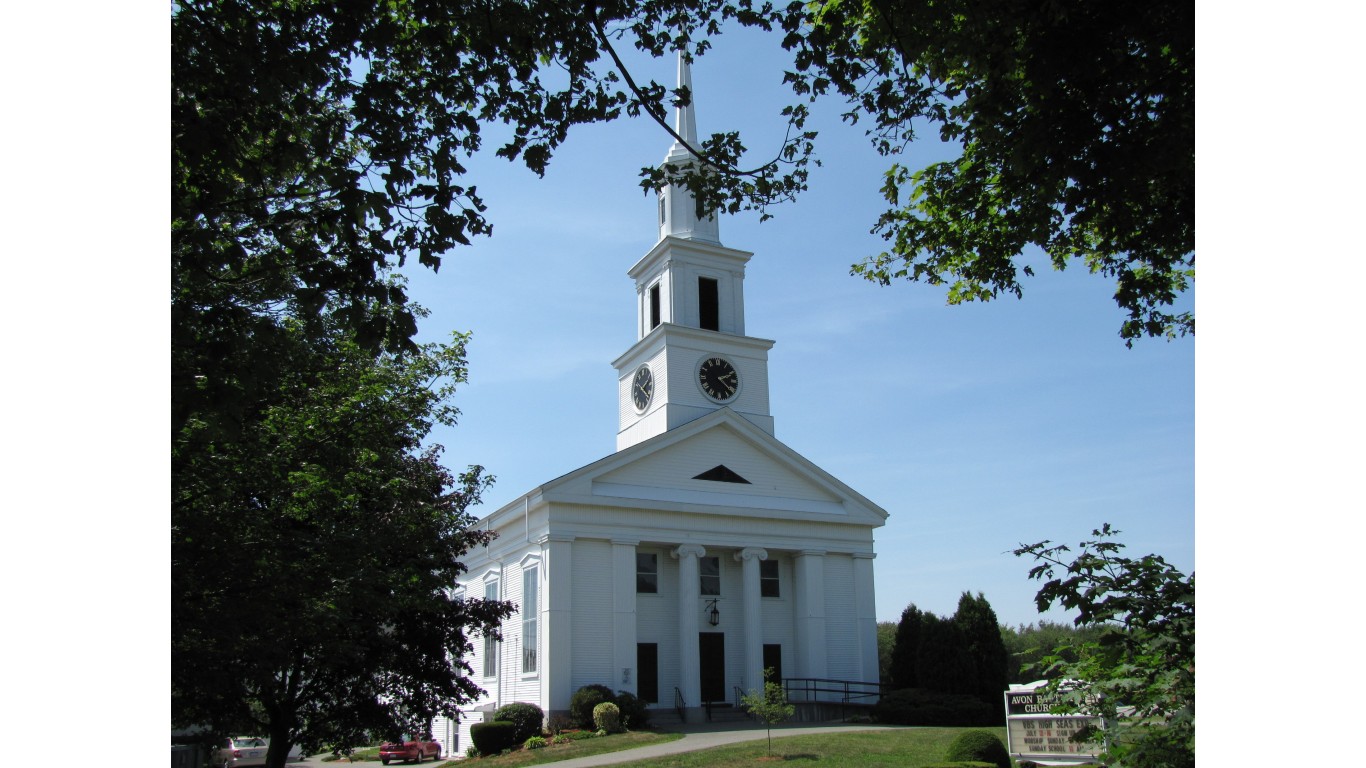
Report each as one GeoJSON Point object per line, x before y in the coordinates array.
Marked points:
{"type": "Point", "coordinates": [632, 711]}
{"type": "Point", "coordinates": [493, 737]}
{"type": "Point", "coordinates": [917, 706]}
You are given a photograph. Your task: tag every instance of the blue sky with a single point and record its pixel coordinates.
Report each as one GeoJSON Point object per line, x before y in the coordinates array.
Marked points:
{"type": "Point", "coordinates": [976, 427]}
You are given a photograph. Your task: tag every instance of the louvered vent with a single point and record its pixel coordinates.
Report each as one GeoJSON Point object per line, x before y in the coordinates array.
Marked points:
{"type": "Point", "coordinates": [721, 474]}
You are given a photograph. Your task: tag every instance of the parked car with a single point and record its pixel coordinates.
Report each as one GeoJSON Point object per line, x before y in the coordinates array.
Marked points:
{"type": "Point", "coordinates": [240, 752]}
{"type": "Point", "coordinates": [409, 751]}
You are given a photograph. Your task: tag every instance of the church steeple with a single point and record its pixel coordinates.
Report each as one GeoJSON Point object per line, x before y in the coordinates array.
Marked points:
{"type": "Point", "coordinates": [677, 207]}
{"type": "Point", "coordinates": [691, 355]}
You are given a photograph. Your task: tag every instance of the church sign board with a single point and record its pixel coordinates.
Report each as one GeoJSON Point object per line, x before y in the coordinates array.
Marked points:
{"type": "Point", "coordinates": [1034, 733]}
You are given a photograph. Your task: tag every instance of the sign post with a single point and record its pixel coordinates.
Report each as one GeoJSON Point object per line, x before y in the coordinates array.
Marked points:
{"type": "Point", "coordinates": [1033, 733]}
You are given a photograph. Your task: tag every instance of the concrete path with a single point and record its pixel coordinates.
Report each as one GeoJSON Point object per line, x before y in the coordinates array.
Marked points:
{"type": "Point", "coordinates": [708, 736]}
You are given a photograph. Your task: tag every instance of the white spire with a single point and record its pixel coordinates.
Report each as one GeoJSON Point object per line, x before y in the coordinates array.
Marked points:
{"type": "Point", "coordinates": [677, 210]}
{"type": "Point", "coordinates": [685, 119]}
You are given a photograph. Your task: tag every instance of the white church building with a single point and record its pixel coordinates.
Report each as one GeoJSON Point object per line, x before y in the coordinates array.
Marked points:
{"type": "Point", "coordinates": [701, 552]}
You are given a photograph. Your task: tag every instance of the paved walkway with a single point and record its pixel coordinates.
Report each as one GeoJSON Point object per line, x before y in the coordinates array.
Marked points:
{"type": "Point", "coordinates": [706, 736]}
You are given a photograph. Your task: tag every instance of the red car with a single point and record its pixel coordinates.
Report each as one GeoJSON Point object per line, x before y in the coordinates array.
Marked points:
{"type": "Point", "coordinates": [409, 751]}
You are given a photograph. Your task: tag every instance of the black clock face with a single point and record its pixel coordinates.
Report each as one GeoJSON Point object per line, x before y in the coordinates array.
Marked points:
{"type": "Point", "coordinates": [642, 387]}
{"type": "Point", "coordinates": [718, 378]}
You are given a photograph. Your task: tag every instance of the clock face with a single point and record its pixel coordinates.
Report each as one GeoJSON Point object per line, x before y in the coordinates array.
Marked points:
{"type": "Point", "coordinates": [642, 387]}
{"type": "Point", "coordinates": [718, 378]}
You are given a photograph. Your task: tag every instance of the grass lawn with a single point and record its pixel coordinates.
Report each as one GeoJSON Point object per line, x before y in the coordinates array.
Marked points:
{"type": "Point", "coordinates": [901, 747]}
{"type": "Point", "coordinates": [550, 754]}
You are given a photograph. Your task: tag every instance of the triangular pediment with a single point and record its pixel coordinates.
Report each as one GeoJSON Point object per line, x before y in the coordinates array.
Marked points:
{"type": "Point", "coordinates": [720, 463]}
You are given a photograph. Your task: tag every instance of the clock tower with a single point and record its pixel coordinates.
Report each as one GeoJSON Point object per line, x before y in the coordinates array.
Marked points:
{"type": "Point", "coordinates": [691, 355]}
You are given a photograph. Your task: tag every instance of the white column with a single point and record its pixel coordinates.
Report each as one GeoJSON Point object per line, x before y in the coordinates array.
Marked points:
{"type": "Point", "coordinates": [739, 283]}
{"type": "Point", "coordinates": [642, 311]}
{"type": "Point", "coordinates": [865, 612]}
{"type": "Point", "coordinates": [624, 614]}
{"type": "Point", "coordinates": [809, 574]}
{"type": "Point", "coordinates": [557, 552]}
{"type": "Point", "coordinates": [751, 604]}
{"type": "Point", "coordinates": [689, 661]}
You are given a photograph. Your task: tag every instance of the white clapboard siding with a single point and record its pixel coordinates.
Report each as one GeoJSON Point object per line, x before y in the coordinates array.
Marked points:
{"type": "Point", "coordinates": [841, 620]}
{"type": "Point", "coordinates": [592, 617]}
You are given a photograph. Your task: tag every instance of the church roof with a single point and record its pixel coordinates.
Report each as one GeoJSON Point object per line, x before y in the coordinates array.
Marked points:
{"type": "Point", "coordinates": [669, 472]}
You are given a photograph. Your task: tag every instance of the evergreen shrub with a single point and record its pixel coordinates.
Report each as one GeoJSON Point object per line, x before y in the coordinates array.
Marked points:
{"type": "Point", "coordinates": [917, 706]}
{"type": "Point", "coordinates": [582, 702]}
{"type": "Point", "coordinates": [981, 746]}
{"type": "Point", "coordinates": [527, 718]}
{"type": "Point", "coordinates": [607, 717]}
{"type": "Point", "coordinates": [635, 715]}
{"type": "Point", "coordinates": [493, 737]}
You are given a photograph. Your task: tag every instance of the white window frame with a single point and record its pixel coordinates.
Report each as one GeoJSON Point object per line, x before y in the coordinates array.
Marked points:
{"type": "Point", "coordinates": [531, 608]}
{"type": "Point", "coordinates": [490, 670]}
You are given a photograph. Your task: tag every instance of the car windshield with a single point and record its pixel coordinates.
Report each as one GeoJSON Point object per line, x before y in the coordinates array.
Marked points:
{"type": "Point", "coordinates": [239, 743]}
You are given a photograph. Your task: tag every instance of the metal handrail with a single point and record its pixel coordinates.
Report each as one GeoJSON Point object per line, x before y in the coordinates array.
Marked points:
{"type": "Point", "coordinates": [739, 695]}
{"type": "Point", "coordinates": [679, 704]}
{"type": "Point", "coordinates": [849, 691]}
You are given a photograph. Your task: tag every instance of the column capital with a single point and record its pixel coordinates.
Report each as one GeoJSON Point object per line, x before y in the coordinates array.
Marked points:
{"type": "Point", "coordinates": [750, 553]}
{"type": "Point", "coordinates": [627, 542]}
{"type": "Point", "coordinates": [554, 537]}
{"type": "Point", "coordinates": [688, 550]}
{"type": "Point", "coordinates": [811, 553]}
{"type": "Point", "coordinates": [864, 555]}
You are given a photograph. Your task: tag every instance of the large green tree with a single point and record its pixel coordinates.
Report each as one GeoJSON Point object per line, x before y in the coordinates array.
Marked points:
{"type": "Point", "coordinates": [316, 553]}
{"type": "Point", "coordinates": [902, 668]}
{"type": "Point", "coordinates": [982, 637]}
{"type": "Point", "coordinates": [1027, 645]}
{"type": "Point", "coordinates": [1139, 673]}
{"type": "Point", "coordinates": [1075, 123]}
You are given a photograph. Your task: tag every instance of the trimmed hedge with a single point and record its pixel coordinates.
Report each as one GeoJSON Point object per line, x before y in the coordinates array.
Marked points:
{"type": "Point", "coordinates": [527, 718]}
{"type": "Point", "coordinates": [607, 717]}
{"type": "Point", "coordinates": [493, 737]}
{"type": "Point", "coordinates": [981, 746]}
{"type": "Point", "coordinates": [635, 714]}
{"type": "Point", "coordinates": [917, 706]}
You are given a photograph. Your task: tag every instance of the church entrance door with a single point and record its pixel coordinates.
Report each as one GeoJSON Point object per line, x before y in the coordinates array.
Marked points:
{"type": "Point", "coordinates": [712, 657]}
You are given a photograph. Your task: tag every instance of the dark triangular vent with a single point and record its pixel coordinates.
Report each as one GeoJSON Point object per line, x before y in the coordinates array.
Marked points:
{"type": "Point", "coordinates": [721, 474]}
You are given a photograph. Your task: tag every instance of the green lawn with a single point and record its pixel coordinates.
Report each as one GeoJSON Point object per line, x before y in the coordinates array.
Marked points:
{"type": "Point", "coordinates": [551, 754]}
{"type": "Point", "coordinates": [557, 752]}
{"type": "Point", "coordinates": [901, 747]}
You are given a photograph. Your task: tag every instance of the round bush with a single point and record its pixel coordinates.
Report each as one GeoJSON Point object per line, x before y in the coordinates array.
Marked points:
{"type": "Point", "coordinates": [527, 718]}
{"type": "Point", "coordinates": [493, 737]}
{"type": "Point", "coordinates": [979, 746]}
{"type": "Point", "coordinates": [582, 702]}
{"type": "Point", "coordinates": [634, 712]}
{"type": "Point", "coordinates": [535, 742]}
{"type": "Point", "coordinates": [607, 717]}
